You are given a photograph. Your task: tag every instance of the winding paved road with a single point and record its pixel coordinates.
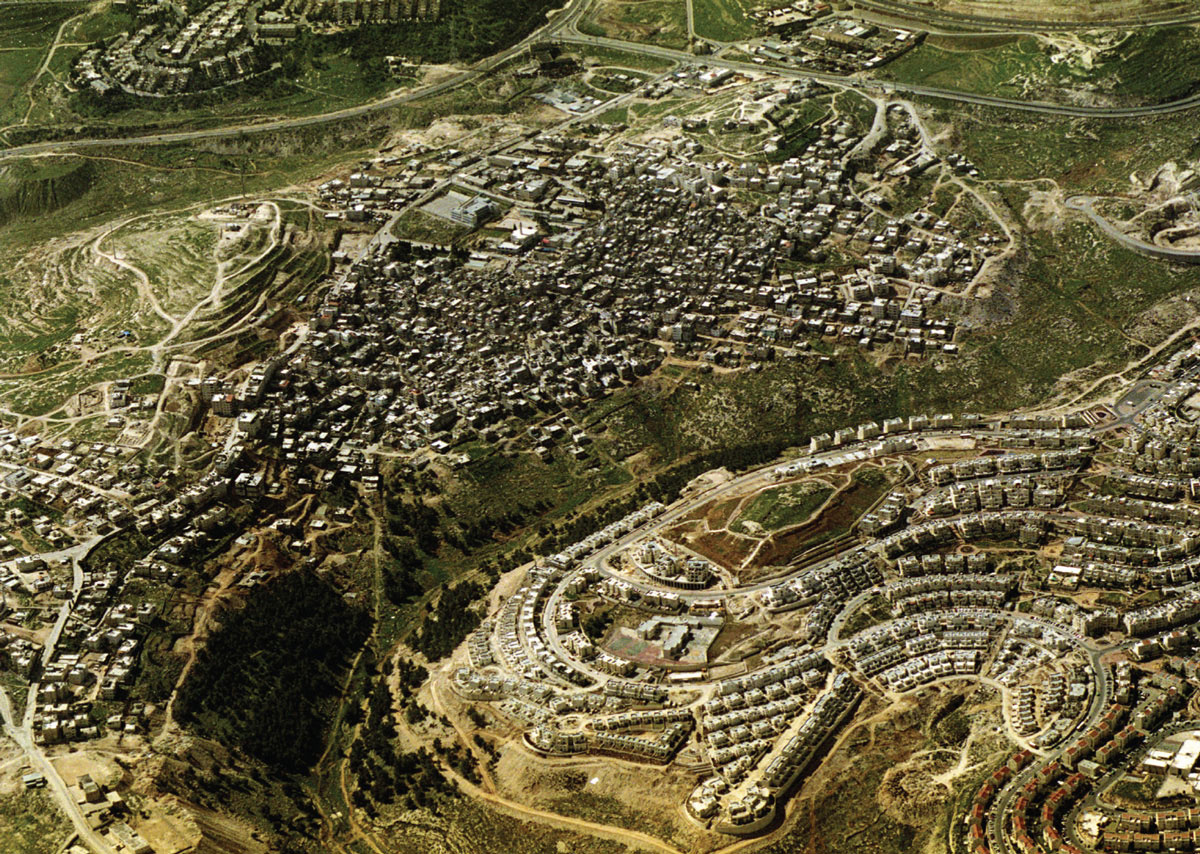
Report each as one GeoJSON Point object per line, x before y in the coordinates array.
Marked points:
{"type": "Point", "coordinates": [562, 20]}
{"type": "Point", "coordinates": [891, 87]}
{"type": "Point", "coordinates": [1086, 205]}
{"type": "Point", "coordinates": [921, 13]}
{"type": "Point", "coordinates": [563, 27]}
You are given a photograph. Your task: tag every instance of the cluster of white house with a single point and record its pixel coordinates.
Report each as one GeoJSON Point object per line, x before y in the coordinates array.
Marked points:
{"type": "Point", "coordinates": [934, 592]}
{"type": "Point", "coordinates": [743, 798]}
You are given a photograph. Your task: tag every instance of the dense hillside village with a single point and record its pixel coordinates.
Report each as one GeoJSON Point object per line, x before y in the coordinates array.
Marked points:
{"type": "Point", "coordinates": [651, 425]}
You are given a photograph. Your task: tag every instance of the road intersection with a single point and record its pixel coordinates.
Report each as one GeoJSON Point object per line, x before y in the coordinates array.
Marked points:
{"type": "Point", "coordinates": [563, 27]}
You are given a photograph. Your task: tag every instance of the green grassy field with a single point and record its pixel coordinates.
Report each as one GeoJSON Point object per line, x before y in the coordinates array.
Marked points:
{"type": "Point", "coordinates": [604, 56]}
{"type": "Point", "coordinates": [33, 25]}
{"type": "Point", "coordinates": [100, 24]}
{"type": "Point", "coordinates": [17, 67]}
{"type": "Point", "coordinates": [873, 612]}
{"type": "Point", "coordinates": [1149, 66]}
{"type": "Point", "coordinates": [31, 824]}
{"type": "Point", "coordinates": [43, 395]}
{"type": "Point", "coordinates": [27, 31]}
{"type": "Point", "coordinates": [726, 20]}
{"type": "Point", "coordinates": [990, 70]}
{"type": "Point", "coordinates": [426, 228]}
{"type": "Point", "coordinates": [858, 110]}
{"type": "Point", "coordinates": [1081, 155]}
{"type": "Point", "coordinates": [658, 22]}
{"type": "Point", "coordinates": [786, 505]}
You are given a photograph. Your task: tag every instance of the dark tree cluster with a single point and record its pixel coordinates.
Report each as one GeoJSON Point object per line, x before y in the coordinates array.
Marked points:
{"type": "Point", "coordinates": [596, 624]}
{"type": "Point", "coordinates": [411, 676]}
{"type": "Point", "coordinates": [487, 747]}
{"type": "Point", "coordinates": [451, 620]}
{"type": "Point", "coordinates": [485, 530]}
{"type": "Point", "coordinates": [402, 572]}
{"type": "Point", "coordinates": [414, 519]}
{"type": "Point", "coordinates": [268, 679]}
{"type": "Point", "coordinates": [462, 761]}
{"type": "Point", "coordinates": [411, 778]}
{"type": "Point", "coordinates": [465, 30]}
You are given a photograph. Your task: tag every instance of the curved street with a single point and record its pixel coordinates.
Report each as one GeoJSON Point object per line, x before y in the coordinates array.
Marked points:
{"type": "Point", "coordinates": [563, 27]}
{"type": "Point", "coordinates": [991, 23]}
{"type": "Point", "coordinates": [1086, 205]}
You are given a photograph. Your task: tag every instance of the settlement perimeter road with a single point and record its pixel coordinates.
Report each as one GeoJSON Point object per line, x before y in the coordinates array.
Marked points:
{"type": "Point", "coordinates": [563, 28]}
